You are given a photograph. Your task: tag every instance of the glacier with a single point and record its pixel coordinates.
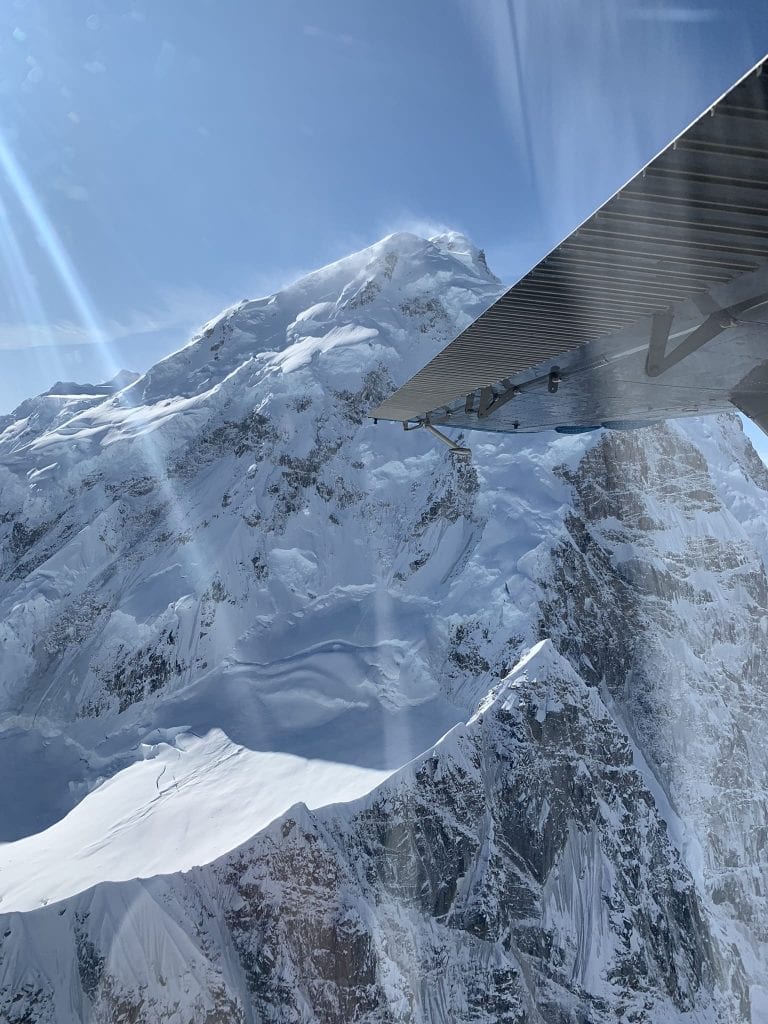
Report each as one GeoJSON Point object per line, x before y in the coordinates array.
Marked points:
{"type": "Point", "coordinates": [302, 720]}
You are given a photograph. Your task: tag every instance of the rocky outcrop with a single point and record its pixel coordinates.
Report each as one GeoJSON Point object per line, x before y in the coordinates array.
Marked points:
{"type": "Point", "coordinates": [660, 599]}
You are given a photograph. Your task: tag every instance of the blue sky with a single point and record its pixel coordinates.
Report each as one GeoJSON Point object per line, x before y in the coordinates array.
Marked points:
{"type": "Point", "coordinates": [160, 159]}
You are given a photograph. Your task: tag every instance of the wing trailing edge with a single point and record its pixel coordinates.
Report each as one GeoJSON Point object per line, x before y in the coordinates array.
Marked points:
{"type": "Point", "coordinates": [654, 307]}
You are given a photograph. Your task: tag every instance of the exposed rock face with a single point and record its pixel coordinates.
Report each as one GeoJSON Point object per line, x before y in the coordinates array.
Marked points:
{"type": "Point", "coordinates": [660, 597]}
{"type": "Point", "coordinates": [228, 598]}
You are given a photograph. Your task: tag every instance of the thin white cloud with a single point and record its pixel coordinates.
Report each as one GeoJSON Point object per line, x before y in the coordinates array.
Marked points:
{"type": "Point", "coordinates": [24, 336]}
{"type": "Point", "coordinates": [165, 59]}
{"type": "Point", "coordinates": [78, 193]}
{"type": "Point", "coordinates": [332, 37]}
{"type": "Point", "coordinates": [179, 309]}
{"type": "Point", "coordinates": [679, 15]}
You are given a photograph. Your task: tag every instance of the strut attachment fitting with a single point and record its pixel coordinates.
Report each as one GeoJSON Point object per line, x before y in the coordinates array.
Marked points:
{"type": "Point", "coordinates": [491, 400]}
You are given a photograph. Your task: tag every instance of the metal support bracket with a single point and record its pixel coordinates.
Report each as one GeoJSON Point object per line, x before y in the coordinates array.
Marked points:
{"type": "Point", "coordinates": [490, 401]}
{"type": "Point", "coordinates": [659, 360]}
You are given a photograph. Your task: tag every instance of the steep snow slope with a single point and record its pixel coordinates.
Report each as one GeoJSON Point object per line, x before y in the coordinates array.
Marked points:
{"type": "Point", "coordinates": [145, 819]}
{"type": "Point", "coordinates": [194, 554]}
{"type": "Point", "coordinates": [225, 592]}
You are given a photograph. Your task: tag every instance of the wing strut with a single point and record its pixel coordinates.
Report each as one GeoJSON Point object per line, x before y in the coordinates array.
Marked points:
{"type": "Point", "coordinates": [659, 360]}
{"type": "Point", "coordinates": [457, 450]}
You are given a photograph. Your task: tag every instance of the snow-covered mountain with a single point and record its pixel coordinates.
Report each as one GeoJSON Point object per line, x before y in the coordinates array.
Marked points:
{"type": "Point", "coordinates": [304, 721]}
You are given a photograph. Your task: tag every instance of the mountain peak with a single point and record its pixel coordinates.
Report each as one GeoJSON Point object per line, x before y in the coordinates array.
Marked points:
{"type": "Point", "coordinates": [374, 298]}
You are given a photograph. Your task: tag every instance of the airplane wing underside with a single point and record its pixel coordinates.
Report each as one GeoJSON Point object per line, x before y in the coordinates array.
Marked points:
{"type": "Point", "coordinates": [655, 307]}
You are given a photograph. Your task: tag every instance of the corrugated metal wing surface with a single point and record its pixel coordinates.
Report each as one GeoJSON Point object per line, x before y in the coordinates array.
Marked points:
{"type": "Point", "coordinates": [696, 216]}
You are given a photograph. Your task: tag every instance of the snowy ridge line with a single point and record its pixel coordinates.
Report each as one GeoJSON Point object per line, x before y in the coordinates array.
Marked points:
{"type": "Point", "coordinates": [435, 791]}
